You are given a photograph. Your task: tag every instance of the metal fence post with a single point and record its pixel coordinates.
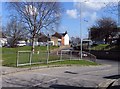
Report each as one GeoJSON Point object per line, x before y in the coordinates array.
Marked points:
{"type": "Point", "coordinates": [70, 54]}
{"type": "Point", "coordinates": [17, 59]}
{"type": "Point", "coordinates": [61, 55]}
{"type": "Point", "coordinates": [47, 53]}
{"type": "Point", "coordinates": [31, 58]}
{"type": "Point", "coordinates": [47, 56]}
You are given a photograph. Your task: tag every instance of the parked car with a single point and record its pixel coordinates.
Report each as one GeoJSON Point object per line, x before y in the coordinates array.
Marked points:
{"type": "Point", "coordinates": [21, 43]}
{"type": "Point", "coordinates": [43, 43]}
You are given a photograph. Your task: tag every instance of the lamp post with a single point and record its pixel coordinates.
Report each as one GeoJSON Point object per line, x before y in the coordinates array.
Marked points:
{"type": "Point", "coordinates": [90, 40]}
{"type": "Point", "coordinates": [80, 33]}
{"type": "Point", "coordinates": [81, 42]}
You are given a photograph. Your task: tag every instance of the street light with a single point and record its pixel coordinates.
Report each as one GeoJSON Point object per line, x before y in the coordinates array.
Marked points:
{"type": "Point", "coordinates": [81, 29]}
{"type": "Point", "coordinates": [80, 33]}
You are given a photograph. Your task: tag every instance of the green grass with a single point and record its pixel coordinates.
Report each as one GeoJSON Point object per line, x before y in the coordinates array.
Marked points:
{"type": "Point", "coordinates": [99, 47]}
{"type": "Point", "coordinates": [105, 47]}
{"type": "Point", "coordinates": [115, 48]}
{"type": "Point", "coordinates": [9, 55]}
{"type": "Point", "coordinates": [37, 48]}
{"type": "Point", "coordinates": [75, 62]}
{"type": "Point", "coordinates": [9, 59]}
{"type": "Point", "coordinates": [66, 63]}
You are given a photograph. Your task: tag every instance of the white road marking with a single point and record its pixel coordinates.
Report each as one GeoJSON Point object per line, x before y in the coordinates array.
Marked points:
{"type": "Point", "coordinates": [38, 84]}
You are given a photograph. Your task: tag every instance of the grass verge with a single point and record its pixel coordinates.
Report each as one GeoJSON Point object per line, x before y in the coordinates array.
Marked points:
{"type": "Point", "coordinates": [9, 55]}
{"type": "Point", "coordinates": [65, 63]}
{"type": "Point", "coordinates": [100, 47]}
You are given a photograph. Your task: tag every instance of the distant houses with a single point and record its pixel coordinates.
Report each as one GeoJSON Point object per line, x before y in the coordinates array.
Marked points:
{"type": "Point", "coordinates": [57, 39]}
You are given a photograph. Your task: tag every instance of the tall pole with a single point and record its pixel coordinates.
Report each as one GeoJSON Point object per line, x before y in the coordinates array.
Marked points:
{"type": "Point", "coordinates": [80, 32]}
{"type": "Point", "coordinates": [90, 40]}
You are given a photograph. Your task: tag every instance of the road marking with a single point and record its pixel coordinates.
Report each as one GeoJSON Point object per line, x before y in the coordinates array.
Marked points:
{"type": "Point", "coordinates": [106, 84]}
{"type": "Point", "coordinates": [46, 82]}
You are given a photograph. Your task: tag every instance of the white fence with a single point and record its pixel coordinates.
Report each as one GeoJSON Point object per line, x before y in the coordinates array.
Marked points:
{"type": "Point", "coordinates": [29, 58]}
{"type": "Point", "coordinates": [76, 55]}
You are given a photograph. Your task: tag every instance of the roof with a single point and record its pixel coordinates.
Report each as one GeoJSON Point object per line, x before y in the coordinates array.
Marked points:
{"type": "Point", "coordinates": [59, 35]}
{"type": "Point", "coordinates": [43, 38]}
{"type": "Point", "coordinates": [3, 35]}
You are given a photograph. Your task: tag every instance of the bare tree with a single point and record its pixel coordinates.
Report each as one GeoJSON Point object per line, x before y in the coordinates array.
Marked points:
{"type": "Point", "coordinates": [37, 15]}
{"type": "Point", "coordinates": [112, 8]}
{"type": "Point", "coordinates": [15, 30]}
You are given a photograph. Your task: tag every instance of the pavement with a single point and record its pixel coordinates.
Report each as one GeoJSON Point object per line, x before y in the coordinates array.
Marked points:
{"type": "Point", "coordinates": [66, 77]}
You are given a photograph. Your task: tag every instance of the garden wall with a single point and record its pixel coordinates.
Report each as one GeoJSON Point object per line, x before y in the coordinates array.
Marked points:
{"type": "Point", "coordinates": [108, 55]}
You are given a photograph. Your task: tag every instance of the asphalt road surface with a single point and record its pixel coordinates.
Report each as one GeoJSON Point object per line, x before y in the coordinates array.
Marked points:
{"type": "Point", "coordinates": [70, 77]}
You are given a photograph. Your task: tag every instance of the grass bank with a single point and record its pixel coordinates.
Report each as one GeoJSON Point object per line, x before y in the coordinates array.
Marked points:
{"type": "Point", "coordinates": [66, 63]}
{"type": "Point", "coordinates": [100, 47]}
{"type": "Point", "coordinates": [9, 55]}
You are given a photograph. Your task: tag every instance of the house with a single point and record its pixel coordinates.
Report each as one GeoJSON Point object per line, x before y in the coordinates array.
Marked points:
{"type": "Point", "coordinates": [116, 38]}
{"type": "Point", "coordinates": [60, 39]}
{"type": "Point", "coordinates": [42, 39]}
{"type": "Point", "coordinates": [3, 40]}
{"type": "Point", "coordinates": [56, 39]}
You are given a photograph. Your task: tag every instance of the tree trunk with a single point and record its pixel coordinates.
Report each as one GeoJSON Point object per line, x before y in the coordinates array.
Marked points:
{"type": "Point", "coordinates": [33, 39]}
{"type": "Point", "coordinates": [33, 44]}
{"type": "Point", "coordinates": [34, 33]}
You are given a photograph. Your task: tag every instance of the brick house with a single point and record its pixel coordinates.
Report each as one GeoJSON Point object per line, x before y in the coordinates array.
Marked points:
{"type": "Point", "coordinates": [60, 39]}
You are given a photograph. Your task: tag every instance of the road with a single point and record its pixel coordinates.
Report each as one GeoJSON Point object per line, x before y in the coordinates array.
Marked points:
{"type": "Point", "coordinates": [69, 77]}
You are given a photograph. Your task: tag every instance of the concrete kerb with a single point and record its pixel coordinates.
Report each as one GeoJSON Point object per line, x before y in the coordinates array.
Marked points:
{"type": "Point", "coordinates": [14, 70]}
{"type": "Point", "coordinates": [31, 68]}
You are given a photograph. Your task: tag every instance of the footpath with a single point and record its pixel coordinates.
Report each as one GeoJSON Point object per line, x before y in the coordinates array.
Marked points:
{"type": "Point", "coordinates": [9, 70]}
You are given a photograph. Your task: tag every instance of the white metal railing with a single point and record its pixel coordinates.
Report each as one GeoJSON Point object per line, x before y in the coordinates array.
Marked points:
{"type": "Point", "coordinates": [76, 55]}
{"type": "Point", "coordinates": [29, 58]}
{"type": "Point", "coordinates": [18, 58]}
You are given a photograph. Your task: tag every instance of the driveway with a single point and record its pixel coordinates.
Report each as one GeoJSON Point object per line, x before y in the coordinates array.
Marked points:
{"type": "Point", "coordinates": [69, 77]}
